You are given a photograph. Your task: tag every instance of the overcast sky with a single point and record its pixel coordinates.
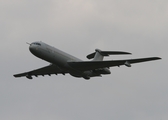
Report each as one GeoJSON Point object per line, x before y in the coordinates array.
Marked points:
{"type": "Point", "coordinates": [78, 27]}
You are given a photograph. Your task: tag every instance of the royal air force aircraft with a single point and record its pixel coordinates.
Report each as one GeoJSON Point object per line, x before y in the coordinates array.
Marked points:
{"type": "Point", "coordinates": [63, 63]}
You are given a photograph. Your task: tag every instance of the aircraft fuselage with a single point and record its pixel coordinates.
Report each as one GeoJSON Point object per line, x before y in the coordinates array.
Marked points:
{"type": "Point", "coordinates": [61, 59]}
{"type": "Point", "coordinates": [63, 63]}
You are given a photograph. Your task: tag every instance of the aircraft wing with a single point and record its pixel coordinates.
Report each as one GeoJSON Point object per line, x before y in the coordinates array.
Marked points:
{"type": "Point", "coordinates": [91, 65]}
{"type": "Point", "coordinates": [47, 70]}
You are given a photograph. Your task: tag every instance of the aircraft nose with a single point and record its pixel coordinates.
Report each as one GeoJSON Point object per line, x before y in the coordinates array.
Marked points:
{"type": "Point", "coordinates": [31, 48]}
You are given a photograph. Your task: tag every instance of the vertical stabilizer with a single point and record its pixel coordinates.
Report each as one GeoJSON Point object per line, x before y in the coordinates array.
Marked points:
{"type": "Point", "coordinates": [98, 56]}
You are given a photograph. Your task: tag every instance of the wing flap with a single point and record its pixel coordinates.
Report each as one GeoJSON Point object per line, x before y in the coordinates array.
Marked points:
{"type": "Point", "coordinates": [91, 65]}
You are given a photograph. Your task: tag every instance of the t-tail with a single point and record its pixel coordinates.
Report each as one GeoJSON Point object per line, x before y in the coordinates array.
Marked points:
{"type": "Point", "coordinates": [98, 55]}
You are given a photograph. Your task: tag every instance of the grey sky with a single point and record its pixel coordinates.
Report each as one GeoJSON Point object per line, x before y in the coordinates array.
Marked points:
{"type": "Point", "coordinates": [78, 27]}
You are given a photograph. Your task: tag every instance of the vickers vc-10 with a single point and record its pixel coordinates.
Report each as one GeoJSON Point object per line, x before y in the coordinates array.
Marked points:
{"type": "Point", "coordinates": [63, 63]}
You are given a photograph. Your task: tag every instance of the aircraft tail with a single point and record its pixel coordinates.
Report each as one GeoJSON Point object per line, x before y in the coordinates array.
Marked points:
{"type": "Point", "coordinates": [98, 55]}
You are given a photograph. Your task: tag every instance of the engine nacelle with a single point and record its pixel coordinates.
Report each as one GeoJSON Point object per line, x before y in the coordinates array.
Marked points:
{"type": "Point", "coordinates": [103, 71]}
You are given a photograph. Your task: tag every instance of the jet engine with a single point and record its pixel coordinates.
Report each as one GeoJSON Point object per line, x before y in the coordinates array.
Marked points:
{"type": "Point", "coordinates": [102, 71]}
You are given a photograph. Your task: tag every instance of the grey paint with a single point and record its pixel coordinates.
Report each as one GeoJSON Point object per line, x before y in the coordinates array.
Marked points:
{"type": "Point", "coordinates": [62, 62]}
{"type": "Point", "coordinates": [78, 27]}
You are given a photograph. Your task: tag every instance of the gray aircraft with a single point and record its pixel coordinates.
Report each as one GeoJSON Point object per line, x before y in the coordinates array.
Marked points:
{"type": "Point", "coordinates": [63, 63]}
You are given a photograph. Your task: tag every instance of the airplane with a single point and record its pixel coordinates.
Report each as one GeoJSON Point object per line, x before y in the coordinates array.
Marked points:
{"type": "Point", "coordinates": [63, 63]}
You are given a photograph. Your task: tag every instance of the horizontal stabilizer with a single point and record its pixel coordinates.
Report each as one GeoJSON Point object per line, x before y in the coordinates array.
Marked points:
{"type": "Point", "coordinates": [106, 53]}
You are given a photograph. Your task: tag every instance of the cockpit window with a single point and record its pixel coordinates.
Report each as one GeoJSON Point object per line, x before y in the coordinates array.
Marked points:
{"type": "Point", "coordinates": [37, 44]}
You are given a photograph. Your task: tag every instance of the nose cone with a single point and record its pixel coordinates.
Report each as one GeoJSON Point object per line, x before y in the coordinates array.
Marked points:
{"type": "Point", "coordinates": [35, 48]}
{"type": "Point", "coordinates": [32, 48]}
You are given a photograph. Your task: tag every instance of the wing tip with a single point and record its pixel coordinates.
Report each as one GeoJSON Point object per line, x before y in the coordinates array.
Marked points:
{"type": "Point", "coordinates": [128, 53]}
{"type": "Point", "coordinates": [16, 76]}
{"type": "Point", "coordinates": [157, 58]}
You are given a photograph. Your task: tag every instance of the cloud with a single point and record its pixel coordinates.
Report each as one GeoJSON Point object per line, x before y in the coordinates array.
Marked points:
{"type": "Point", "coordinates": [78, 27]}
